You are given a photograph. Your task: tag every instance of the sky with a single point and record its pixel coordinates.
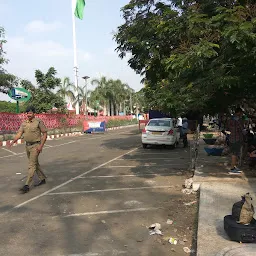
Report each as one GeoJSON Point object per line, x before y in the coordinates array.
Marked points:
{"type": "Point", "coordinates": [39, 35]}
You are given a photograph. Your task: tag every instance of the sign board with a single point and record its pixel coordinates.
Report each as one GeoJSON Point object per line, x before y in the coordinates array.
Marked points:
{"type": "Point", "coordinates": [94, 127]}
{"type": "Point", "coordinates": [19, 94]}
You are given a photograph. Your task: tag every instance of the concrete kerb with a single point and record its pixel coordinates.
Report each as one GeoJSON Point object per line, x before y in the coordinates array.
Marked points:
{"type": "Point", "coordinates": [56, 136]}
{"type": "Point", "coordinates": [217, 195]}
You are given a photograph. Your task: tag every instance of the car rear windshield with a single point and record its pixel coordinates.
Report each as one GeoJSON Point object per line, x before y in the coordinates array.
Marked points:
{"type": "Point", "coordinates": [159, 123]}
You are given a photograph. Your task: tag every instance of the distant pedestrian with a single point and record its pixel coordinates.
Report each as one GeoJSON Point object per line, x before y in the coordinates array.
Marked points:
{"type": "Point", "coordinates": [236, 139]}
{"type": "Point", "coordinates": [32, 130]}
{"type": "Point", "coordinates": [179, 124]}
{"type": "Point", "coordinates": [185, 132]}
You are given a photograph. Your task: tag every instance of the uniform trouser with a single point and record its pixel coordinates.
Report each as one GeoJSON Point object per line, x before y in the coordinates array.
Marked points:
{"type": "Point", "coordinates": [185, 139]}
{"type": "Point", "coordinates": [33, 164]}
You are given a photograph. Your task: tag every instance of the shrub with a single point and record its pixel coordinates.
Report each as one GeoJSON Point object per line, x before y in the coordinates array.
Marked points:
{"type": "Point", "coordinates": [119, 122]}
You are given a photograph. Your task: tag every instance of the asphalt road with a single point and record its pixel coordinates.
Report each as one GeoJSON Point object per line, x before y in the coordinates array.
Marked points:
{"type": "Point", "coordinates": [102, 192]}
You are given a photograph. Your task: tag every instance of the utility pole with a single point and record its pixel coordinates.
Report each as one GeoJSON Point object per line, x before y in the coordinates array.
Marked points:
{"type": "Point", "coordinates": [131, 103]}
{"type": "Point", "coordinates": [86, 97]}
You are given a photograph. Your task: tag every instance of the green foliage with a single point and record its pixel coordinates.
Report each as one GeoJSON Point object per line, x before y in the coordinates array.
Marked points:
{"type": "Point", "coordinates": [194, 55]}
{"type": "Point", "coordinates": [10, 107]}
{"type": "Point", "coordinates": [112, 94]}
{"type": "Point", "coordinates": [119, 122]}
{"type": "Point", "coordinates": [7, 81]}
{"type": "Point", "coordinates": [66, 89]}
{"type": "Point", "coordinates": [3, 60]}
{"type": "Point", "coordinates": [47, 81]}
{"type": "Point", "coordinates": [43, 98]}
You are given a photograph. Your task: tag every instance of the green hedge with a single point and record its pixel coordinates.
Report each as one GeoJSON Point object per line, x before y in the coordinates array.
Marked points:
{"type": "Point", "coordinates": [115, 122]}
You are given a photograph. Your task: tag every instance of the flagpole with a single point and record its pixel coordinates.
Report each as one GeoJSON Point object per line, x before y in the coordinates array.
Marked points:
{"type": "Point", "coordinates": [73, 2]}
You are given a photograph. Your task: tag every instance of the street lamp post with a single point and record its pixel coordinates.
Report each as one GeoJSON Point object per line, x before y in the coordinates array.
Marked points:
{"type": "Point", "coordinates": [86, 98]}
{"type": "Point", "coordinates": [131, 103]}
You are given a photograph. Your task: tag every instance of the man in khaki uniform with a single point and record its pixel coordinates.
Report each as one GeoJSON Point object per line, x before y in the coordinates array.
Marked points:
{"type": "Point", "coordinates": [32, 130]}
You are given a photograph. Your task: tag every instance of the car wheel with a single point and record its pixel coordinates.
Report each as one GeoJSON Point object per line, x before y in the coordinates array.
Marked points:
{"type": "Point", "coordinates": [144, 145]}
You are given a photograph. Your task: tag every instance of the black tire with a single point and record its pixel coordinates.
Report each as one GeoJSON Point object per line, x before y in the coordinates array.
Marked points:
{"type": "Point", "coordinates": [144, 145]}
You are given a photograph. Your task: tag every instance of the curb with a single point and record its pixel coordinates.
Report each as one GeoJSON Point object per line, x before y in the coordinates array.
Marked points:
{"type": "Point", "coordinates": [49, 137]}
{"type": "Point", "coordinates": [52, 137]}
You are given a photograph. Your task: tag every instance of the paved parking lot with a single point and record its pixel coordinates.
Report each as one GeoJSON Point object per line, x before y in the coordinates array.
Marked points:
{"type": "Point", "coordinates": [102, 193]}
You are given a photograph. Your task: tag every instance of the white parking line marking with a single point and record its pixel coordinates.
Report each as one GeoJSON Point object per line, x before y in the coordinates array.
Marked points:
{"type": "Point", "coordinates": [66, 143]}
{"type": "Point", "coordinates": [9, 151]}
{"type": "Point", "coordinates": [12, 155]}
{"type": "Point", "coordinates": [46, 145]}
{"type": "Point", "coordinates": [144, 159]}
{"type": "Point", "coordinates": [157, 153]}
{"type": "Point", "coordinates": [126, 175]}
{"type": "Point", "coordinates": [108, 212]}
{"type": "Point", "coordinates": [145, 165]}
{"type": "Point", "coordinates": [70, 142]}
{"type": "Point", "coordinates": [105, 190]}
{"type": "Point", "coordinates": [72, 179]}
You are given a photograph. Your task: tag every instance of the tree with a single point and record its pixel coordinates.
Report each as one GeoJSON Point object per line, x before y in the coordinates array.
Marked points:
{"type": "Point", "coordinates": [66, 90]}
{"type": "Point", "coordinates": [48, 81]}
{"type": "Point", "coordinates": [3, 60]}
{"type": "Point", "coordinates": [43, 97]}
{"type": "Point", "coordinates": [81, 97]}
{"type": "Point", "coordinates": [111, 94]}
{"type": "Point", "coordinates": [194, 55]}
{"type": "Point", "coordinates": [102, 93]}
{"type": "Point", "coordinates": [7, 81]}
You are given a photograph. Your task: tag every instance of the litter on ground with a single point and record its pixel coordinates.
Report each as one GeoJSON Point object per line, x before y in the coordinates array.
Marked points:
{"type": "Point", "coordinates": [155, 229]}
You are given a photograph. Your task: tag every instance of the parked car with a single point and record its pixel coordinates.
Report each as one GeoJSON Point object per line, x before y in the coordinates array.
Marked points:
{"type": "Point", "coordinates": [160, 131]}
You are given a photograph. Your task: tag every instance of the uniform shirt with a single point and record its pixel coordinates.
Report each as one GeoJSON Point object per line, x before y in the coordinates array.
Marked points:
{"type": "Point", "coordinates": [32, 130]}
{"type": "Point", "coordinates": [236, 128]}
{"type": "Point", "coordinates": [185, 127]}
{"type": "Point", "coordinates": [179, 123]}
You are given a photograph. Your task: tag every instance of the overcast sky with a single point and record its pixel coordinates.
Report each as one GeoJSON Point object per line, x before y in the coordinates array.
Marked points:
{"type": "Point", "coordinates": [39, 35]}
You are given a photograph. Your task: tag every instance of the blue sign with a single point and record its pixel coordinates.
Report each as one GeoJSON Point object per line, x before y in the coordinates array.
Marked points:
{"type": "Point", "coordinates": [19, 94]}
{"type": "Point", "coordinates": [94, 127]}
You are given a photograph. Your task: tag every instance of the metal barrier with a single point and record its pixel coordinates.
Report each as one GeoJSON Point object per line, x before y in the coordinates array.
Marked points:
{"type": "Point", "coordinates": [143, 122]}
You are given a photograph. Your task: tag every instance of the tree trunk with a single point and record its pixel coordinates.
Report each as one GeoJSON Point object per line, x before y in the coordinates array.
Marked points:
{"type": "Point", "coordinates": [115, 109]}
{"type": "Point", "coordinates": [124, 109]}
{"type": "Point", "coordinates": [105, 109]}
{"type": "Point", "coordinates": [119, 108]}
{"type": "Point", "coordinates": [137, 111]}
{"type": "Point", "coordinates": [110, 110]}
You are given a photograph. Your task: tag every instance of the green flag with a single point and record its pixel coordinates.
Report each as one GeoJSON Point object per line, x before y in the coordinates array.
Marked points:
{"type": "Point", "coordinates": [79, 10]}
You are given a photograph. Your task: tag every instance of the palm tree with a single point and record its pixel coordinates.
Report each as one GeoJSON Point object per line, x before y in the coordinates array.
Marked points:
{"type": "Point", "coordinates": [65, 89]}
{"type": "Point", "coordinates": [120, 95]}
{"type": "Point", "coordinates": [103, 93]}
{"type": "Point", "coordinates": [112, 95]}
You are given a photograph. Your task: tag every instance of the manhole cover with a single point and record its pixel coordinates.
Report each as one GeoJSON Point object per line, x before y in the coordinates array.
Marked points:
{"type": "Point", "coordinates": [240, 250]}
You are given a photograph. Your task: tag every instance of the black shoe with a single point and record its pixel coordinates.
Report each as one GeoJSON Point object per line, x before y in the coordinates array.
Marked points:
{"type": "Point", "coordinates": [25, 189]}
{"type": "Point", "coordinates": [42, 182]}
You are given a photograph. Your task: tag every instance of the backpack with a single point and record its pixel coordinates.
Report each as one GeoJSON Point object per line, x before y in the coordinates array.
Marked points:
{"type": "Point", "coordinates": [240, 226]}
{"type": "Point", "coordinates": [243, 211]}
